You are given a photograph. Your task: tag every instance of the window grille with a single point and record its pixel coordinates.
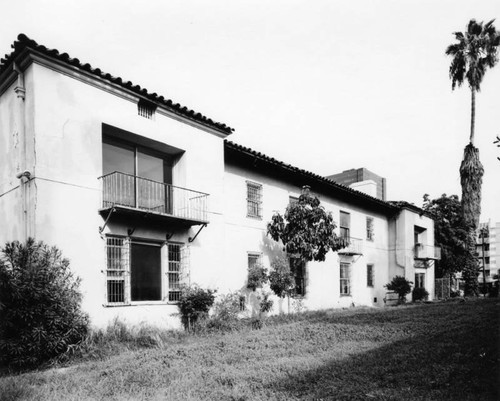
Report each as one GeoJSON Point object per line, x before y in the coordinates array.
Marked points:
{"type": "Point", "coordinates": [369, 229]}
{"type": "Point", "coordinates": [146, 109]}
{"type": "Point", "coordinates": [117, 266]}
{"type": "Point", "coordinates": [174, 271]}
{"type": "Point", "coordinates": [369, 275]}
{"type": "Point", "coordinates": [345, 224]}
{"type": "Point", "coordinates": [254, 200]}
{"type": "Point", "coordinates": [345, 279]}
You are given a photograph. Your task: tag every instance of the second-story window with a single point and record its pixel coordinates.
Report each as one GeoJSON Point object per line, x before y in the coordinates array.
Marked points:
{"type": "Point", "coordinates": [369, 229]}
{"type": "Point", "coordinates": [345, 224]}
{"type": "Point", "coordinates": [254, 200]}
{"type": "Point", "coordinates": [136, 176]}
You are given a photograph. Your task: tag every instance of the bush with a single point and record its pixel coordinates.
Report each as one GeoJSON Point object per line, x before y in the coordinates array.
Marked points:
{"type": "Point", "coordinates": [265, 304]}
{"type": "Point", "coordinates": [420, 294]}
{"type": "Point", "coordinates": [194, 303]}
{"type": "Point", "coordinates": [40, 315]}
{"type": "Point", "coordinates": [401, 286]}
{"type": "Point", "coordinates": [257, 276]}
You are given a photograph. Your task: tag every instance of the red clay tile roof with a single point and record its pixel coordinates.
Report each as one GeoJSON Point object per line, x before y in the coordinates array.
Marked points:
{"type": "Point", "coordinates": [23, 42]}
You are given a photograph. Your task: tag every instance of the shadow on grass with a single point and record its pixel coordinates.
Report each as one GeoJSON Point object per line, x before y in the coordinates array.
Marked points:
{"type": "Point", "coordinates": [457, 362]}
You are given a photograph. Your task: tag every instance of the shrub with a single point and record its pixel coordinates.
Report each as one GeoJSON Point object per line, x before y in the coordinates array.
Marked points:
{"type": "Point", "coordinates": [257, 276]}
{"type": "Point", "coordinates": [401, 286]}
{"type": "Point", "coordinates": [40, 315]}
{"type": "Point", "coordinates": [281, 278]}
{"type": "Point", "coordinates": [194, 303]}
{"type": "Point", "coordinates": [265, 303]}
{"type": "Point", "coordinates": [420, 294]}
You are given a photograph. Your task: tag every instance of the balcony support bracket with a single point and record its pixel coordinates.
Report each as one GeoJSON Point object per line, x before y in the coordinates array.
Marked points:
{"type": "Point", "coordinates": [101, 229]}
{"type": "Point", "coordinates": [201, 228]}
{"type": "Point", "coordinates": [130, 231]}
{"type": "Point", "coordinates": [169, 235]}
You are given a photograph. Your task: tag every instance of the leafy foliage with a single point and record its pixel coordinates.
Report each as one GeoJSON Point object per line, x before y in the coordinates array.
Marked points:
{"type": "Point", "coordinates": [194, 303]}
{"type": "Point", "coordinates": [306, 229]}
{"type": "Point", "coordinates": [281, 278]}
{"type": "Point", "coordinates": [40, 314]}
{"type": "Point", "coordinates": [257, 276]}
{"type": "Point", "coordinates": [265, 303]}
{"type": "Point", "coordinates": [450, 233]}
{"type": "Point", "coordinates": [401, 286]}
{"type": "Point", "coordinates": [420, 294]}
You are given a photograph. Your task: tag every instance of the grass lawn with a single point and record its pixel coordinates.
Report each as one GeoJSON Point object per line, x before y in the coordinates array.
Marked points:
{"type": "Point", "coordinates": [441, 351]}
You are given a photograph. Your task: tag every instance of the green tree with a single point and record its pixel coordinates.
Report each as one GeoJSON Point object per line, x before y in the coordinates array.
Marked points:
{"type": "Point", "coordinates": [475, 51]}
{"type": "Point", "coordinates": [306, 229]}
{"type": "Point", "coordinates": [450, 234]}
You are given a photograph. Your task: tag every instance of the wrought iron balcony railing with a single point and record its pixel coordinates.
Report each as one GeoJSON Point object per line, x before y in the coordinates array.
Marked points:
{"type": "Point", "coordinates": [355, 247]}
{"type": "Point", "coordinates": [427, 252]}
{"type": "Point", "coordinates": [129, 191]}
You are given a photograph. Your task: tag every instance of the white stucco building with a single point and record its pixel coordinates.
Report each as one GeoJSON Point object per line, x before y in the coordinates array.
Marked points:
{"type": "Point", "coordinates": [142, 194]}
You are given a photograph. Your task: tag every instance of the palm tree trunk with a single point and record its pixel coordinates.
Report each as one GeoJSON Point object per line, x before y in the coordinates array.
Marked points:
{"type": "Point", "coordinates": [472, 115]}
{"type": "Point", "coordinates": [471, 178]}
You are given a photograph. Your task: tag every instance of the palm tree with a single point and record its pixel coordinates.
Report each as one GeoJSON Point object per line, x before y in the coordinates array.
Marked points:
{"type": "Point", "coordinates": [476, 50]}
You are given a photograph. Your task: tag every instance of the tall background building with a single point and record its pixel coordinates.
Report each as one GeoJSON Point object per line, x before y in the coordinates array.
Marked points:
{"type": "Point", "coordinates": [359, 178]}
{"type": "Point", "coordinates": [490, 251]}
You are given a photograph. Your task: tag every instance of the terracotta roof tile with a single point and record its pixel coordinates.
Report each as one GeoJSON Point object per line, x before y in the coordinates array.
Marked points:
{"type": "Point", "coordinates": [23, 42]}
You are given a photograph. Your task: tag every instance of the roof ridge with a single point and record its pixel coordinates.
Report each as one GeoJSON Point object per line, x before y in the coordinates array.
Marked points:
{"type": "Point", "coordinates": [23, 41]}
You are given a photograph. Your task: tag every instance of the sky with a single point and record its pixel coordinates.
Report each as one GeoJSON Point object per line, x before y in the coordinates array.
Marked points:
{"type": "Point", "coordinates": [323, 85]}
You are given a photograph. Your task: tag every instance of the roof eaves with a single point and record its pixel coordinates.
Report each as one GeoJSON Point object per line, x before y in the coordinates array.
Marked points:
{"type": "Point", "coordinates": [24, 43]}
{"type": "Point", "coordinates": [310, 175]}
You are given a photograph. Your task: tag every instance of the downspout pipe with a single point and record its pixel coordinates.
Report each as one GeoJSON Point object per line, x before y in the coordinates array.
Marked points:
{"type": "Point", "coordinates": [23, 174]}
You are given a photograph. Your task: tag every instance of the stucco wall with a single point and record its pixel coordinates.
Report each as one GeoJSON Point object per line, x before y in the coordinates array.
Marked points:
{"type": "Point", "coordinates": [68, 119]}
{"type": "Point", "coordinates": [16, 156]}
{"type": "Point", "coordinates": [245, 235]}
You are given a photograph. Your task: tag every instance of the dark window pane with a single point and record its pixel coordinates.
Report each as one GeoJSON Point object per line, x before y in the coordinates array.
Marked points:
{"type": "Point", "coordinates": [117, 158]}
{"type": "Point", "coordinates": [146, 273]}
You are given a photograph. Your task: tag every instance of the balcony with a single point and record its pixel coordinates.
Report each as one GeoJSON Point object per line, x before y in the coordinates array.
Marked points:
{"type": "Point", "coordinates": [427, 252]}
{"type": "Point", "coordinates": [355, 247]}
{"type": "Point", "coordinates": [129, 194]}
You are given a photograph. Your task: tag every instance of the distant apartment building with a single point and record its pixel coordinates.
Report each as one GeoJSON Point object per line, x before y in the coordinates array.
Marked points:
{"type": "Point", "coordinates": [488, 247]}
{"type": "Point", "coordinates": [362, 180]}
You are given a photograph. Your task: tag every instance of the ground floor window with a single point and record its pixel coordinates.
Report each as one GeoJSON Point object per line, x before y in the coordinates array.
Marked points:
{"type": "Point", "coordinates": [419, 280]}
{"type": "Point", "coordinates": [143, 271]}
{"type": "Point", "coordinates": [174, 271]}
{"type": "Point", "coordinates": [345, 279]}
{"type": "Point", "coordinates": [369, 275]}
{"type": "Point", "coordinates": [298, 268]}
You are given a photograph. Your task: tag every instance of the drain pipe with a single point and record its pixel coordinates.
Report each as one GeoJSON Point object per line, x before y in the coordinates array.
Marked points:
{"type": "Point", "coordinates": [24, 175]}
